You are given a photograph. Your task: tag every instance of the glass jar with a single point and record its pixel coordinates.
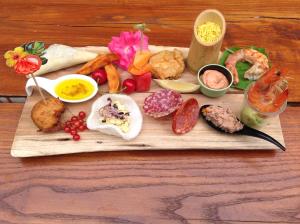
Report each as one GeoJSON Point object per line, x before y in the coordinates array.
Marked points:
{"type": "Point", "coordinates": [252, 116]}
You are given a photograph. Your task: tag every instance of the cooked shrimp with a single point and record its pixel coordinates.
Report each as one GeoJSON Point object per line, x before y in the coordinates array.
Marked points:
{"type": "Point", "coordinates": [258, 60]}
{"type": "Point", "coordinates": [270, 92]}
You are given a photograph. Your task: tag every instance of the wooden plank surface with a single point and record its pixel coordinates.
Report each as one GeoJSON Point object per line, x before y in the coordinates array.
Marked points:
{"type": "Point", "coordinates": [151, 187]}
{"type": "Point", "coordinates": [272, 24]}
{"type": "Point", "coordinates": [155, 134]}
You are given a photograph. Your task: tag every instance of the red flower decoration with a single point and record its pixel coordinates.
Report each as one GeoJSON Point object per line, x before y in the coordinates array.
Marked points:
{"type": "Point", "coordinates": [28, 64]}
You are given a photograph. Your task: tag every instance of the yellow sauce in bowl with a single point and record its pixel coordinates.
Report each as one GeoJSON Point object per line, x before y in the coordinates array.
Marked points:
{"type": "Point", "coordinates": [74, 89]}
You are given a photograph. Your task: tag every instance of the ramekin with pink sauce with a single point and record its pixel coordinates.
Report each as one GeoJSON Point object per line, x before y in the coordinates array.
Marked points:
{"type": "Point", "coordinates": [214, 80]}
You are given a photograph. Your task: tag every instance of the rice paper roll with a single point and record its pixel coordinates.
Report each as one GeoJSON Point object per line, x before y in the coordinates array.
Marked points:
{"type": "Point", "coordinates": [61, 56]}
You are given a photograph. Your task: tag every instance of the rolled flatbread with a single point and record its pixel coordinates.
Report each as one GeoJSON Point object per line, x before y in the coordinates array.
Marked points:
{"type": "Point", "coordinates": [61, 56]}
{"type": "Point", "coordinates": [152, 48]}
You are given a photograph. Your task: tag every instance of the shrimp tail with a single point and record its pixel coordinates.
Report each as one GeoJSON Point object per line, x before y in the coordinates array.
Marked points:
{"type": "Point", "coordinates": [234, 72]}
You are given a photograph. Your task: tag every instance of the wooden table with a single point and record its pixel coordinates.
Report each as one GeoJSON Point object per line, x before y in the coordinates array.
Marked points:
{"type": "Point", "coordinates": [150, 187]}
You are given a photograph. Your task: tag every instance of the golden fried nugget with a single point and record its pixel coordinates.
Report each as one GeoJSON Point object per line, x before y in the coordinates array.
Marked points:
{"type": "Point", "coordinates": [46, 116]}
{"type": "Point", "coordinates": [167, 64]}
{"type": "Point", "coordinates": [99, 62]}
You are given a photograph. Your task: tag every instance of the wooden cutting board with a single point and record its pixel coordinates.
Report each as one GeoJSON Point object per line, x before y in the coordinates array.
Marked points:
{"type": "Point", "coordinates": [155, 134]}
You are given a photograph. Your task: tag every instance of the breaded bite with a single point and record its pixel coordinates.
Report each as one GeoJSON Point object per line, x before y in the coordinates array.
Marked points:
{"type": "Point", "coordinates": [46, 116]}
{"type": "Point", "coordinates": [167, 64]}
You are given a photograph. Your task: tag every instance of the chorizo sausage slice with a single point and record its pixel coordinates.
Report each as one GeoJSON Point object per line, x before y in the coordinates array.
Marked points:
{"type": "Point", "coordinates": [186, 117]}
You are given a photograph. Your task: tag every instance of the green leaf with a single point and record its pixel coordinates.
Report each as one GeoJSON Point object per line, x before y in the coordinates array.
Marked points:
{"type": "Point", "coordinates": [43, 53]}
{"type": "Point", "coordinates": [35, 47]}
{"type": "Point", "coordinates": [38, 45]}
{"type": "Point", "coordinates": [226, 53]}
{"type": "Point", "coordinates": [44, 60]}
{"type": "Point", "coordinates": [28, 47]}
{"type": "Point", "coordinates": [241, 67]}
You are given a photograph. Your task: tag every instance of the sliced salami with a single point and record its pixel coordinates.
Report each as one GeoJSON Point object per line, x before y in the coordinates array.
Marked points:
{"type": "Point", "coordinates": [186, 117]}
{"type": "Point", "coordinates": [162, 103]}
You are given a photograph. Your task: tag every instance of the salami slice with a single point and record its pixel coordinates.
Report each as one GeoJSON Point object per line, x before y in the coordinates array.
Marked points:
{"type": "Point", "coordinates": [162, 103]}
{"type": "Point", "coordinates": [186, 117]}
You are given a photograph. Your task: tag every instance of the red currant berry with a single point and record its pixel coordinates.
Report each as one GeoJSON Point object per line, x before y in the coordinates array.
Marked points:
{"type": "Point", "coordinates": [67, 129]}
{"type": "Point", "coordinates": [76, 137]}
{"type": "Point", "coordinates": [82, 128]}
{"type": "Point", "coordinates": [73, 132]}
{"type": "Point", "coordinates": [74, 118]}
{"type": "Point", "coordinates": [68, 123]}
{"type": "Point", "coordinates": [77, 124]}
{"type": "Point", "coordinates": [82, 114]}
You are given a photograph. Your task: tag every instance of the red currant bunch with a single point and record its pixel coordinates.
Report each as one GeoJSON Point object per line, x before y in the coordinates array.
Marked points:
{"type": "Point", "coordinates": [76, 124]}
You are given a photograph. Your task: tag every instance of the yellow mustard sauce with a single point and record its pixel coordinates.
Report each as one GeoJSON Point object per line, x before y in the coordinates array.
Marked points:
{"type": "Point", "coordinates": [74, 89]}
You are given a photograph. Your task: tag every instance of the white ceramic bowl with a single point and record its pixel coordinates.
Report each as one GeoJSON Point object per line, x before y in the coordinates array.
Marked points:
{"type": "Point", "coordinates": [136, 118]}
{"type": "Point", "coordinates": [49, 86]}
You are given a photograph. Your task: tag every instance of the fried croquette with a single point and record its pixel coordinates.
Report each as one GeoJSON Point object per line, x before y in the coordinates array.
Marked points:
{"type": "Point", "coordinates": [46, 115]}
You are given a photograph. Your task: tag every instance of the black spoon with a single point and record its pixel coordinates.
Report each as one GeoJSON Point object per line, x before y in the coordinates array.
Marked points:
{"type": "Point", "coordinates": [244, 131]}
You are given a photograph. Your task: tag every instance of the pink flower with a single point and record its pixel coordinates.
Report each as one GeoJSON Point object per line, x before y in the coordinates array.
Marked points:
{"type": "Point", "coordinates": [126, 45]}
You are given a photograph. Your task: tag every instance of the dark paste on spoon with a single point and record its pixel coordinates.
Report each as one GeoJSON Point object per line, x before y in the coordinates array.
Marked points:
{"type": "Point", "coordinates": [224, 120]}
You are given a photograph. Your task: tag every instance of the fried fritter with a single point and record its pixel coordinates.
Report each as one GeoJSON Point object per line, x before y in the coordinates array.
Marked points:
{"type": "Point", "coordinates": [167, 64]}
{"type": "Point", "coordinates": [46, 116]}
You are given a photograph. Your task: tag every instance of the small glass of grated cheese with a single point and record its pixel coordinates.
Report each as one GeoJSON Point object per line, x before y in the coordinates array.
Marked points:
{"type": "Point", "coordinates": [209, 32]}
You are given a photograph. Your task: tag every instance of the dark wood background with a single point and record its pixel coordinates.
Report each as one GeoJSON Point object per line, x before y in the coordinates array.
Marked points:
{"type": "Point", "coordinates": [150, 187]}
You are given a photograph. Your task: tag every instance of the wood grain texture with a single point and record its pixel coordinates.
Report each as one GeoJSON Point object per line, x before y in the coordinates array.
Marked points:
{"type": "Point", "coordinates": [151, 187]}
{"type": "Point", "coordinates": [273, 25]}
{"type": "Point", "coordinates": [155, 134]}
